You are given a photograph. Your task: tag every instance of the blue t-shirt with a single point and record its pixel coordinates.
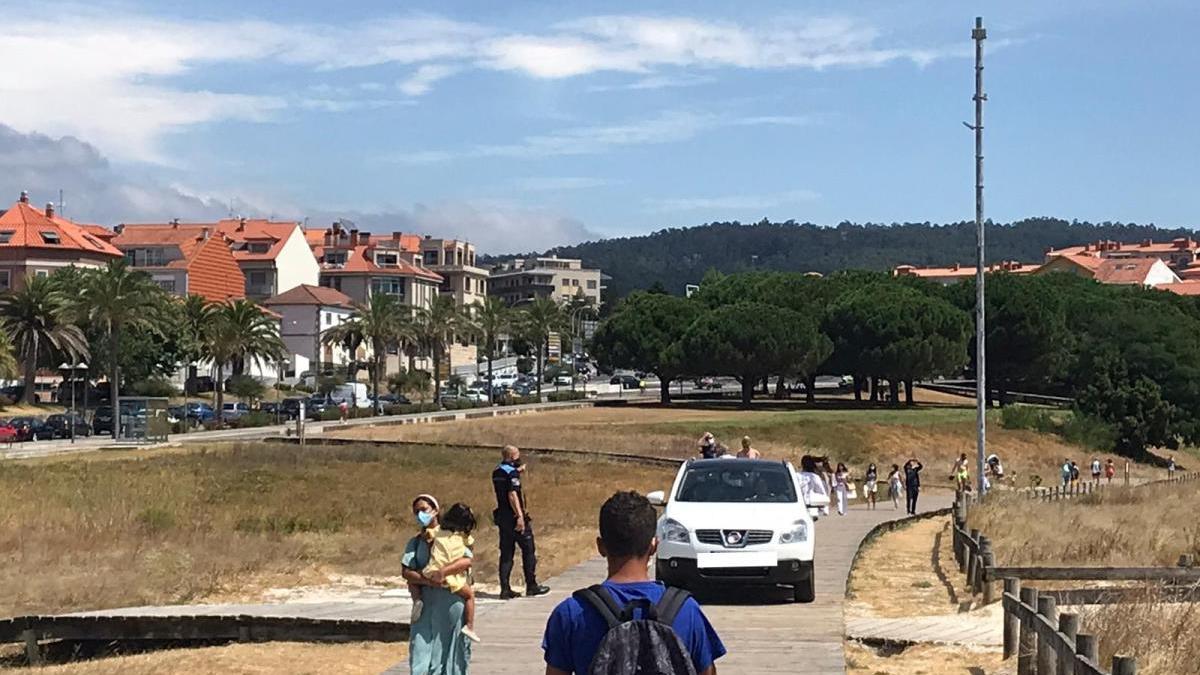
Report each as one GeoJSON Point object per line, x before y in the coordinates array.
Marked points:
{"type": "Point", "coordinates": [574, 632]}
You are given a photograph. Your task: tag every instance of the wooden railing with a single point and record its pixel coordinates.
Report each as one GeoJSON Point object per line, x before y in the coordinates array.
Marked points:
{"type": "Point", "coordinates": [1047, 642]}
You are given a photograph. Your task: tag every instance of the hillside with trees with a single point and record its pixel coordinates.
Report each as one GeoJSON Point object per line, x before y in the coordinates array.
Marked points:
{"type": "Point", "coordinates": [679, 256]}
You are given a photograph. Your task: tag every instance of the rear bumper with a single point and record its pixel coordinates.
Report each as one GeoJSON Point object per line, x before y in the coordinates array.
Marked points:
{"type": "Point", "coordinates": [682, 572]}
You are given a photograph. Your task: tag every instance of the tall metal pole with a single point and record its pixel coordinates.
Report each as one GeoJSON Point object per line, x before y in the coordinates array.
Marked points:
{"type": "Point", "coordinates": [979, 34]}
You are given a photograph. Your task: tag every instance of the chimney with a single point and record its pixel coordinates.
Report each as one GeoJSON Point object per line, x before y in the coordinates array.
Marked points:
{"type": "Point", "coordinates": [1146, 243]}
{"type": "Point", "coordinates": [24, 197]}
{"type": "Point", "coordinates": [241, 224]}
{"type": "Point", "coordinates": [119, 228]}
{"type": "Point", "coordinates": [364, 238]}
{"type": "Point", "coordinates": [204, 234]}
{"type": "Point", "coordinates": [956, 266]}
{"type": "Point", "coordinates": [174, 222]}
{"type": "Point", "coordinates": [353, 236]}
{"type": "Point", "coordinates": [49, 209]}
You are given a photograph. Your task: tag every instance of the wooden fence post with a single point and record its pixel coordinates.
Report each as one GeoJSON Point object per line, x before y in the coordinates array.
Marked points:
{"type": "Point", "coordinates": [1027, 647]}
{"type": "Point", "coordinates": [986, 560]}
{"type": "Point", "coordinates": [1068, 625]}
{"type": "Point", "coordinates": [1086, 646]}
{"type": "Point", "coordinates": [1046, 658]}
{"type": "Point", "coordinates": [1012, 586]}
{"type": "Point", "coordinates": [33, 651]}
{"type": "Point", "coordinates": [1124, 665]}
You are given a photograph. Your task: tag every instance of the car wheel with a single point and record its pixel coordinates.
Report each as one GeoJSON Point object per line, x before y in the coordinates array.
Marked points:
{"type": "Point", "coordinates": [806, 591]}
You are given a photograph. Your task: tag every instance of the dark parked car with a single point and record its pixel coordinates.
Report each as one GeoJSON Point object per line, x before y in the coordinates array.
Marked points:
{"type": "Point", "coordinates": [315, 406]}
{"type": "Point", "coordinates": [31, 429]}
{"type": "Point", "coordinates": [290, 407]}
{"type": "Point", "coordinates": [626, 381]}
{"type": "Point", "coordinates": [63, 426]}
{"type": "Point", "coordinates": [393, 399]}
{"type": "Point", "coordinates": [102, 420]}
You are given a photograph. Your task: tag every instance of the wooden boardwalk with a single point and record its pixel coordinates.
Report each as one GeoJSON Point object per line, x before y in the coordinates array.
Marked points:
{"type": "Point", "coordinates": [969, 630]}
{"type": "Point", "coordinates": [765, 633]}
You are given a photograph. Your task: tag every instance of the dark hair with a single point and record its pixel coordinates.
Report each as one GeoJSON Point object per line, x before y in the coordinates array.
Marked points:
{"type": "Point", "coordinates": [841, 467]}
{"type": "Point", "coordinates": [895, 467]}
{"type": "Point", "coordinates": [808, 463]}
{"type": "Point", "coordinates": [627, 524]}
{"type": "Point", "coordinates": [458, 518]}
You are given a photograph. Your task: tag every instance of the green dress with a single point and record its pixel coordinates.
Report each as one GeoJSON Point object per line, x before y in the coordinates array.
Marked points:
{"type": "Point", "coordinates": [435, 644]}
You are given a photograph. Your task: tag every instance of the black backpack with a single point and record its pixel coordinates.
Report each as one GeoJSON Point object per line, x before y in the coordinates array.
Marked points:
{"type": "Point", "coordinates": [645, 646]}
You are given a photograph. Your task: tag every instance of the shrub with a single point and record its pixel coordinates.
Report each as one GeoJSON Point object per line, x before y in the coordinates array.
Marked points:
{"type": "Point", "coordinates": [1027, 417]}
{"type": "Point", "coordinates": [327, 383]}
{"type": "Point", "coordinates": [1073, 427]}
{"type": "Point", "coordinates": [557, 396]}
{"type": "Point", "coordinates": [154, 386]}
{"type": "Point", "coordinates": [254, 419]}
{"type": "Point", "coordinates": [246, 387]}
{"type": "Point", "coordinates": [283, 386]}
{"type": "Point", "coordinates": [304, 389]}
{"type": "Point", "coordinates": [155, 520]}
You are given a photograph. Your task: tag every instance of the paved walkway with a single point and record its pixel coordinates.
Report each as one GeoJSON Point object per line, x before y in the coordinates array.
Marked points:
{"type": "Point", "coordinates": [764, 633]}
{"type": "Point", "coordinates": [972, 630]}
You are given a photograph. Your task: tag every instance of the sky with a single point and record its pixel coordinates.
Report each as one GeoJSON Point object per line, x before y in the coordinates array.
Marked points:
{"type": "Point", "coordinates": [524, 125]}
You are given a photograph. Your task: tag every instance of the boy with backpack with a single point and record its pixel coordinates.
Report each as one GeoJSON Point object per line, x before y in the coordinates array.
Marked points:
{"type": "Point", "coordinates": [629, 623]}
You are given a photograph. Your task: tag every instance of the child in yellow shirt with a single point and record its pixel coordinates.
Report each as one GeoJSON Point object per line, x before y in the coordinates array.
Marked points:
{"type": "Point", "coordinates": [449, 543]}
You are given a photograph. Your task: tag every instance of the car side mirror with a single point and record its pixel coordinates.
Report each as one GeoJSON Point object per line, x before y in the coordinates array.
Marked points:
{"type": "Point", "coordinates": [657, 498]}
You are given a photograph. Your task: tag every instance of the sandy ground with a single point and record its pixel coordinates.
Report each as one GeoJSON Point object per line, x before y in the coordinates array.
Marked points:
{"type": "Point", "coordinates": [276, 658]}
{"type": "Point", "coordinates": [925, 660]}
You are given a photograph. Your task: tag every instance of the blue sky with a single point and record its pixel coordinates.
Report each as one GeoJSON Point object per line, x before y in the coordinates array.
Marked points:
{"type": "Point", "coordinates": [523, 125]}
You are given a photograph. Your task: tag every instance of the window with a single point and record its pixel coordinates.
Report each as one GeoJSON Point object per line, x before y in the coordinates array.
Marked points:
{"type": "Point", "coordinates": [574, 282]}
{"type": "Point", "coordinates": [386, 259]}
{"type": "Point", "coordinates": [591, 284]}
{"type": "Point", "coordinates": [326, 319]}
{"type": "Point", "coordinates": [50, 237]}
{"type": "Point", "coordinates": [725, 483]}
{"type": "Point", "coordinates": [41, 273]}
{"type": "Point", "coordinates": [4, 280]}
{"type": "Point", "coordinates": [145, 257]}
{"type": "Point", "coordinates": [259, 247]}
{"type": "Point", "coordinates": [257, 278]}
{"type": "Point", "coordinates": [431, 257]}
{"type": "Point", "coordinates": [388, 286]}
{"type": "Point", "coordinates": [335, 257]}
{"type": "Point", "coordinates": [566, 282]}
{"type": "Point", "coordinates": [167, 285]}
{"type": "Point", "coordinates": [6, 236]}
{"type": "Point", "coordinates": [332, 282]}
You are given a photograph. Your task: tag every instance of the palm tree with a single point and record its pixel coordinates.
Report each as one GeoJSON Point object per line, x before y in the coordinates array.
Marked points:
{"type": "Point", "coordinates": [492, 319]}
{"type": "Point", "coordinates": [8, 360]}
{"type": "Point", "coordinates": [382, 323]}
{"type": "Point", "coordinates": [538, 320]}
{"type": "Point", "coordinates": [436, 326]}
{"type": "Point", "coordinates": [116, 298]}
{"type": "Point", "coordinates": [37, 319]}
{"type": "Point", "coordinates": [197, 314]}
{"type": "Point", "coordinates": [240, 332]}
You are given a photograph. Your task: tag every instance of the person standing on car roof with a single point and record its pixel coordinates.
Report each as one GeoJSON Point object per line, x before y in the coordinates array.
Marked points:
{"type": "Point", "coordinates": [516, 527]}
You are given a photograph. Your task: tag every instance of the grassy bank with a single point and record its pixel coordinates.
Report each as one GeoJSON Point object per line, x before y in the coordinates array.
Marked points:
{"type": "Point", "coordinates": [228, 522]}
{"type": "Point", "coordinates": [858, 437]}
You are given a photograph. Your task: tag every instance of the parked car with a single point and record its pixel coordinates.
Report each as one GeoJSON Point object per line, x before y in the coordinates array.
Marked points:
{"type": "Point", "coordinates": [393, 399]}
{"type": "Point", "coordinates": [64, 425]}
{"type": "Point", "coordinates": [102, 420]}
{"type": "Point", "coordinates": [290, 407]}
{"type": "Point", "coordinates": [476, 394]}
{"type": "Point", "coordinates": [315, 405]}
{"type": "Point", "coordinates": [268, 407]}
{"type": "Point", "coordinates": [563, 381]}
{"type": "Point", "coordinates": [232, 411]}
{"type": "Point", "coordinates": [737, 523]}
{"type": "Point", "coordinates": [8, 433]}
{"type": "Point", "coordinates": [626, 381]}
{"type": "Point", "coordinates": [523, 389]}
{"type": "Point", "coordinates": [31, 428]}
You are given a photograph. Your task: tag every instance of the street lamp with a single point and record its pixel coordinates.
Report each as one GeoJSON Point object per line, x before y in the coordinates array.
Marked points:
{"type": "Point", "coordinates": [72, 367]}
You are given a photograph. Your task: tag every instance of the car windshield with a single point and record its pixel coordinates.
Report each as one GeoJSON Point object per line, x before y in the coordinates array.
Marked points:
{"type": "Point", "coordinates": [731, 482]}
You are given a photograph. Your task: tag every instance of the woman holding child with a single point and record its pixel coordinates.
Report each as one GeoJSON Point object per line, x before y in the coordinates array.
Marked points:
{"type": "Point", "coordinates": [439, 638]}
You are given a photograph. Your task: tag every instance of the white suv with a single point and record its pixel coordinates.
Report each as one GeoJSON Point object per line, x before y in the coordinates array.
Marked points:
{"type": "Point", "coordinates": [737, 522]}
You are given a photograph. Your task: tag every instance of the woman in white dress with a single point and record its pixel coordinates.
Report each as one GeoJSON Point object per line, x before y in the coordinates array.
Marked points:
{"type": "Point", "coordinates": [841, 487]}
{"type": "Point", "coordinates": [811, 482]}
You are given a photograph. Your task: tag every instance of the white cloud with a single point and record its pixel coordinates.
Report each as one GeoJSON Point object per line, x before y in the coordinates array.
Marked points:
{"type": "Point", "coordinates": [667, 127]}
{"type": "Point", "coordinates": [655, 82]}
{"type": "Point", "coordinates": [739, 202]}
{"type": "Point", "coordinates": [559, 183]}
{"type": "Point", "coordinates": [424, 78]}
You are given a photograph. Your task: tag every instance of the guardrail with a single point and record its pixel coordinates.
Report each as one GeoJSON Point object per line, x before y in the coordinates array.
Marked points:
{"type": "Point", "coordinates": [1047, 642]}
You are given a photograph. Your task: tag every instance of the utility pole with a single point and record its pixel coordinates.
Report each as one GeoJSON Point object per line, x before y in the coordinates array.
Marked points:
{"type": "Point", "coordinates": [979, 34]}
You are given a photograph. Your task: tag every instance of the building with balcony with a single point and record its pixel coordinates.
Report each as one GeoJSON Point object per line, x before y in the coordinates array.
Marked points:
{"type": "Point", "coordinates": [454, 261]}
{"type": "Point", "coordinates": [360, 265]}
{"type": "Point", "coordinates": [306, 312]}
{"type": "Point", "coordinates": [183, 259]}
{"type": "Point", "coordinates": [36, 242]}
{"type": "Point", "coordinates": [523, 280]}
{"type": "Point", "coordinates": [273, 255]}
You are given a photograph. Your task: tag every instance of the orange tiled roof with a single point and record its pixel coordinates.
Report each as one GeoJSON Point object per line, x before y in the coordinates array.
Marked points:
{"type": "Point", "coordinates": [213, 273]}
{"type": "Point", "coordinates": [240, 231]}
{"type": "Point", "coordinates": [1186, 287]}
{"type": "Point", "coordinates": [1100, 248]}
{"type": "Point", "coordinates": [1125, 270]}
{"type": "Point", "coordinates": [25, 225]}
{"type": "Point", "coordinates": [359, 262]}
{"type": "Point", "coordinates": [961, 271]}
{"type": "Point", "coordinates": [304, 294]}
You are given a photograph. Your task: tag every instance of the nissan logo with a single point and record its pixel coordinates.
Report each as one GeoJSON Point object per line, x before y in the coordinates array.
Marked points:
{"type": "Point", "coordinates": [733, 538]}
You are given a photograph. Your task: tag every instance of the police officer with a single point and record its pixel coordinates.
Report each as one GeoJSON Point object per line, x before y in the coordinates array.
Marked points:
{"type": "Point", "coordinates": [515, 529]}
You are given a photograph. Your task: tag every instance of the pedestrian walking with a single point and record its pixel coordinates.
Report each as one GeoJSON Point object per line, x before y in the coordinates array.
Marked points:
{"type": "Point", "coordinates": [1171, 467]}
{"type": "Point", "coordinates": [1066, 473]}
{"type": "Point", "coordinates": [870, 486]}
{"type": "Point", "coordinates": [1110, 469]}
{"type": "Point", "coordinates": [895, 486]}
{"type": "Point", "coordinates": [1074, 473]}
{"type": "Point", "coordinates": [589, 632]}
{"type": "Point", "coordinates": [515, 524]}
{"type": "Point", "coordinates": [841, 487]}
{"type": "Point", "coordinates": [343, 411]}
{"type": "Point", "coordinates": [961, 473]}
{"type": "Point", "coordinates": [812, 483]}
{"type": "Point", "coordinates": [1096, 469]}
{"type": "Point", "coordinates": [912, 484]}
{"type": "Point", "coordinates": [748, 452]}
{"type": "Point", "coordinates": [436, 644]}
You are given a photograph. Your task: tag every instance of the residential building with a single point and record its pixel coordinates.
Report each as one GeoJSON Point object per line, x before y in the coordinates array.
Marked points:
{"type": "Point", "coordinates": [1177, 253]}
{"type": "Point", "coordinates": [306, 312]}
{"type": "Point", "coordinates": [454, 261]}
{"type": "Point", "coordinates": [183, 259]}
{"type": "Point", "coordinates": [956, 273]}
{"type": "Point", "coordinates": [360, 266]}
{"type": "Point", "coordinates": [36, 242]}
{"type": "Point", "coordinates": [1134, 271]}
{"type": "Point", "coordinates": [522, 280]}
{"type": "Point", "coordinates": [272, 255]}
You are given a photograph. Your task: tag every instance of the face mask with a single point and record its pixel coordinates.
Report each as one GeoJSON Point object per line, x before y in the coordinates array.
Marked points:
{"type": "Point", "coordinates": [424, 518]}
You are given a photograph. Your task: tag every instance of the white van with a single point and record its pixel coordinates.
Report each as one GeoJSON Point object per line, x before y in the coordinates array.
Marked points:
{"type": "Point", "coordinates": [353, 393]}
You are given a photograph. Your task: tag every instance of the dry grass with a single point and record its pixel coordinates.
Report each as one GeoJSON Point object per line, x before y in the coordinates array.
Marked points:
{"type": "Point", "coordinates": [909, 571]}
{"type": "Point", "coordinates": [924, 660]}
{"type": "Point", "coordinates": [276, 658]}
{"type": "Point", "coordinates": [226, 523]}
{"type": "Point", "coordinates": [1146, 526]}
{"type": "Point", "coordinates": [1162, 636]}
{"type": "Point", "coordinates": [856, 436]}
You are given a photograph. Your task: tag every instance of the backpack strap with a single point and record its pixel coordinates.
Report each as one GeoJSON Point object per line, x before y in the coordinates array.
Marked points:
{"type": "Point", "coordinates": [602, 601]}
{"type": "Point", "coordinates": [670, 603]}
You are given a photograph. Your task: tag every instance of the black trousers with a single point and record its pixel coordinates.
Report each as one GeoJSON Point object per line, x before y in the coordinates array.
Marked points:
{"type": "Point", "coordinates": [912, 499]}
{"type": "Point", "coordinates": [510, 539]}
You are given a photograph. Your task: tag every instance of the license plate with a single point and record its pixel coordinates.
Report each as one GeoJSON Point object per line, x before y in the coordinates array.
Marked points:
{"type": "Point", "coordinates": [736, 559]}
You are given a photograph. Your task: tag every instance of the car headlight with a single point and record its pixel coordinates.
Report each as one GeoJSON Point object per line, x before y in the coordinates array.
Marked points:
{"type": "Point", "coordinates": [673, 530]}
{"type": "Point", "coordinates": [796, 535]}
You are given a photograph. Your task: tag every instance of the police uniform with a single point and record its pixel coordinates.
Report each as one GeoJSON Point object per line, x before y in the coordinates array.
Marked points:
{"type": "Point", "coordinates": [506, 479]}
